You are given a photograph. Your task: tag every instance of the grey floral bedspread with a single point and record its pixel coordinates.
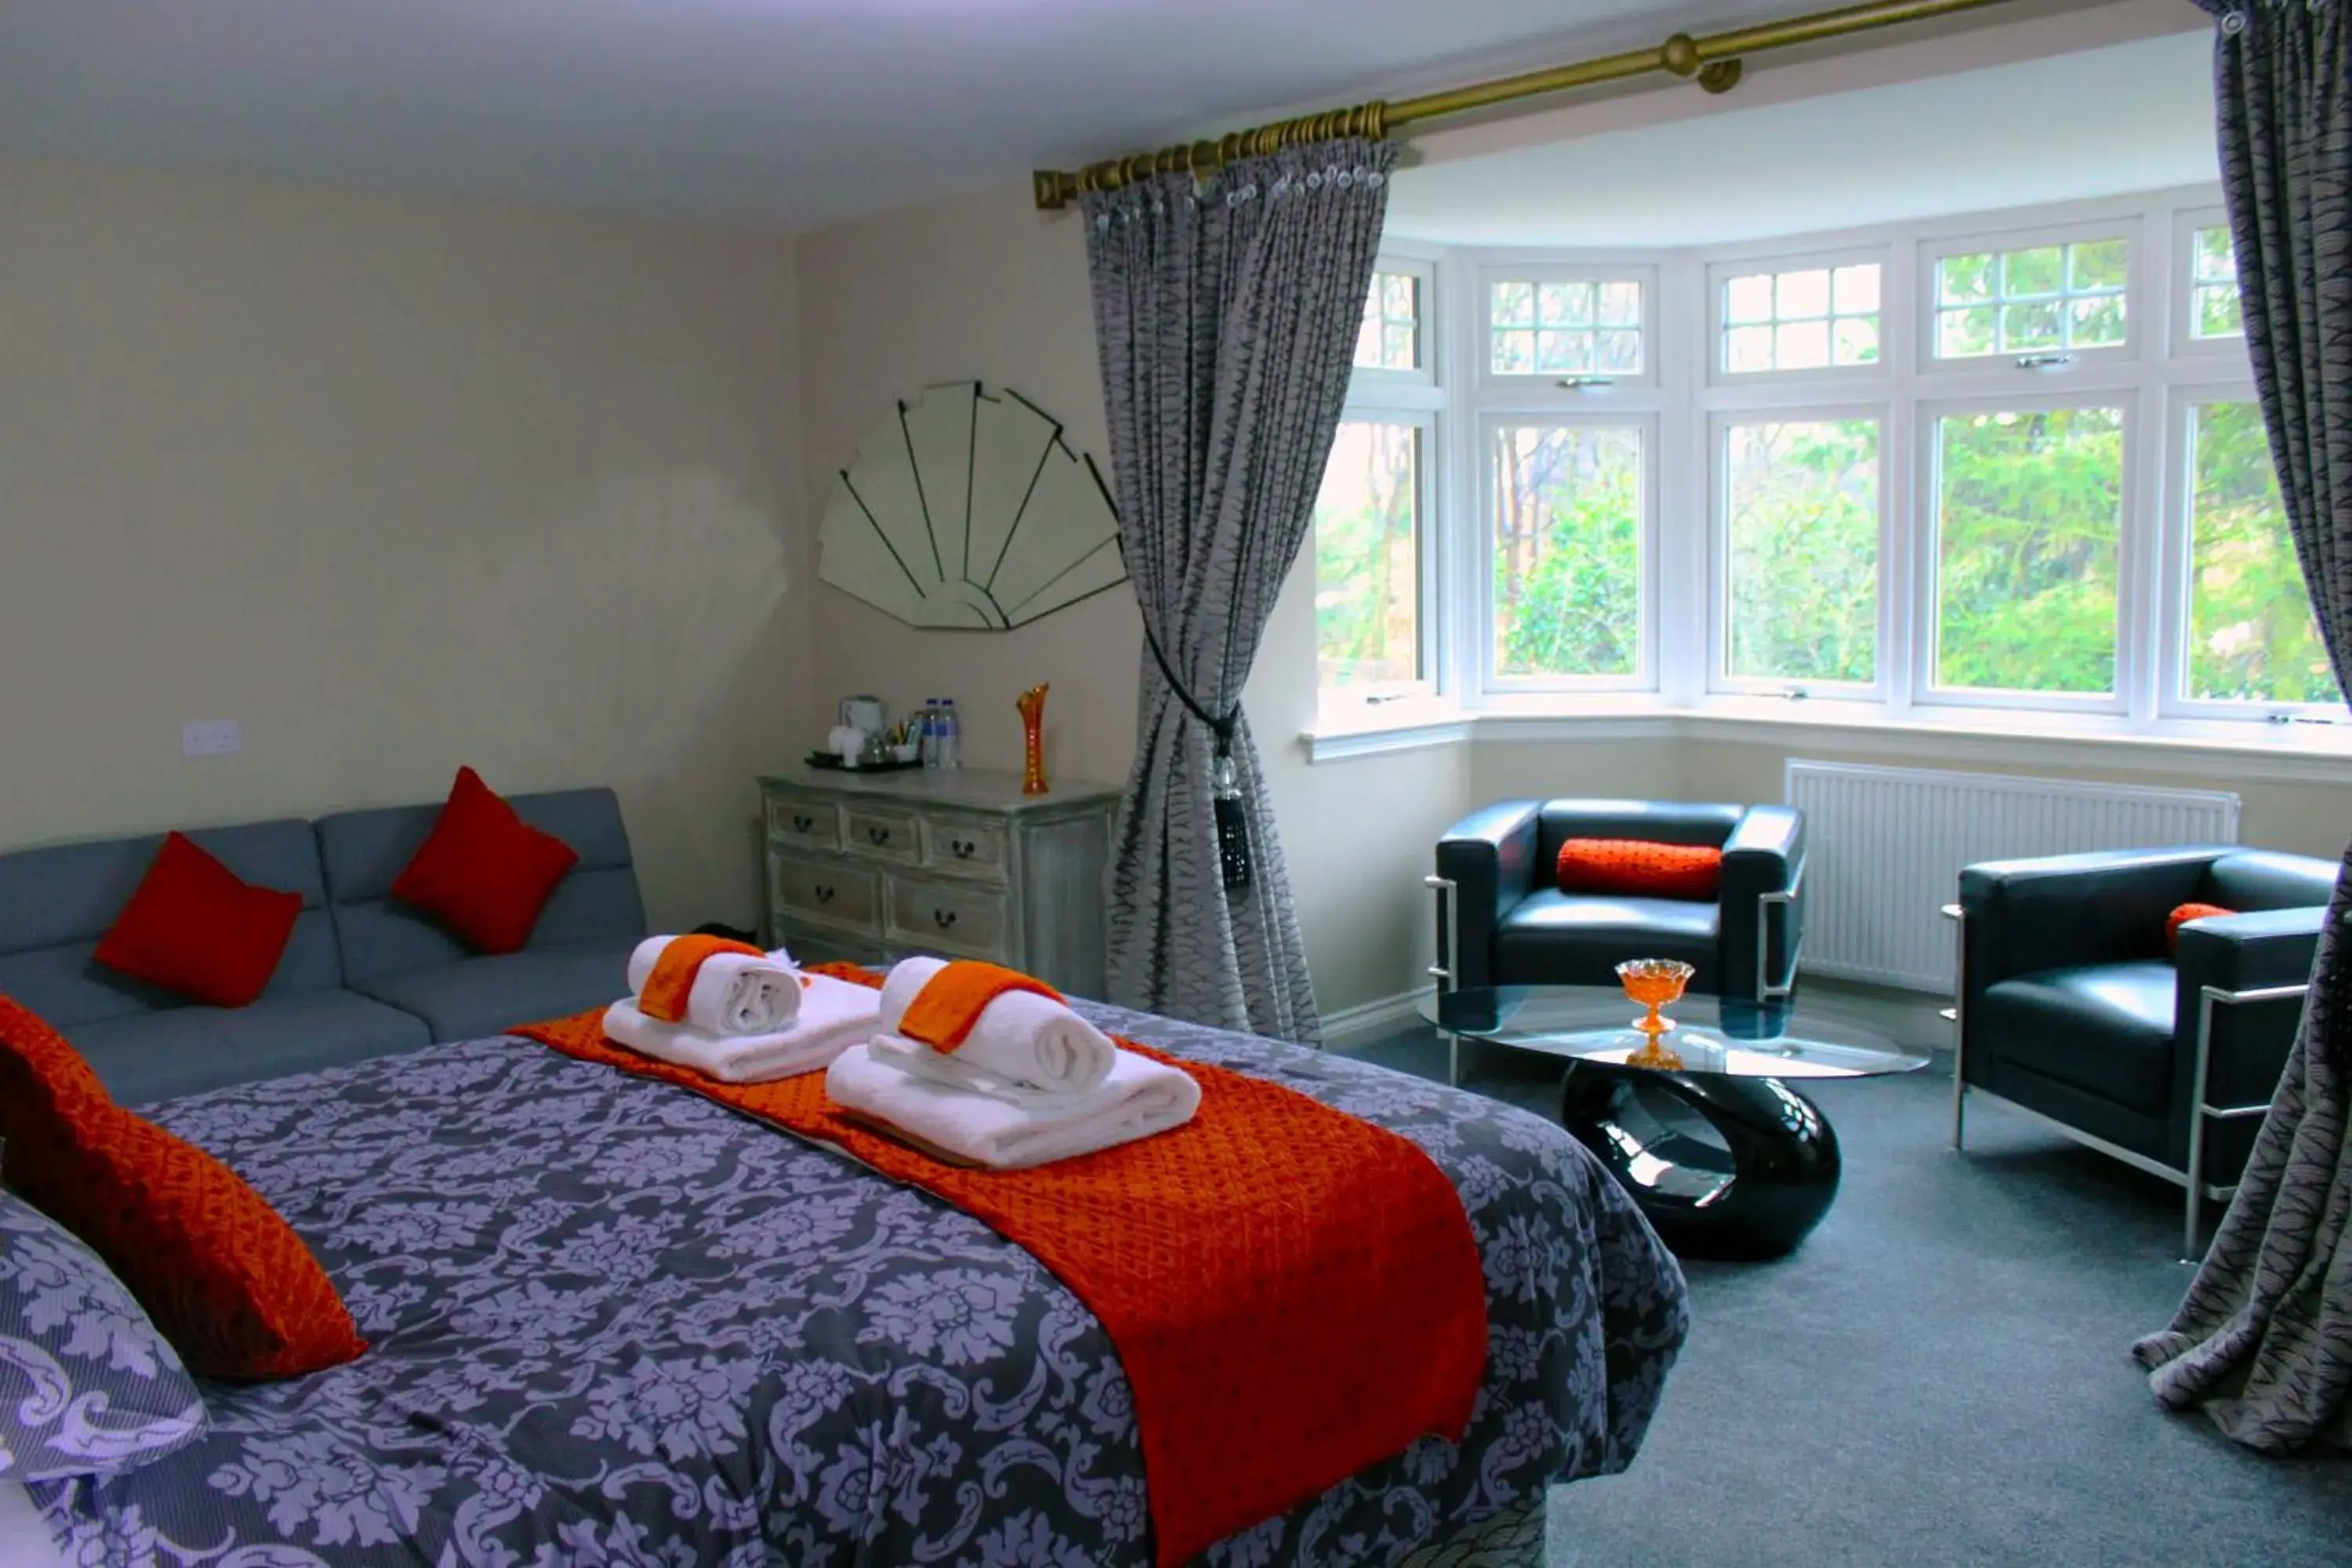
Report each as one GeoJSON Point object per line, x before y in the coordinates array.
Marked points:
{"type": "Point", "coordinates": [615, 1323]}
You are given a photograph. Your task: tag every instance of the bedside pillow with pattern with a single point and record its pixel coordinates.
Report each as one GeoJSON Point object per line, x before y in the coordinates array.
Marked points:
{"type": "Point", "coordinates": [89, 1386]}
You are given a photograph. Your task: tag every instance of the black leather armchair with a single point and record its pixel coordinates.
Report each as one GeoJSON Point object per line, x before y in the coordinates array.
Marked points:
{"type": "Point", "coordinates": [2070, 1010]}
{"type": "Point", "coordinates": [1502, 920]}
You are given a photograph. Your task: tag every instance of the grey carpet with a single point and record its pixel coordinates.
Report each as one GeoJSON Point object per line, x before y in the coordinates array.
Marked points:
{"type": "Point", "coordinates": [1940, 1375]}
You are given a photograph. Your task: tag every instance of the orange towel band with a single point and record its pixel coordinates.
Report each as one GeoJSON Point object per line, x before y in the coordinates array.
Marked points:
{"type": "Point", "coordinates": [671, 984]}
{"type": "Point", "coordinates": [945, 1011]}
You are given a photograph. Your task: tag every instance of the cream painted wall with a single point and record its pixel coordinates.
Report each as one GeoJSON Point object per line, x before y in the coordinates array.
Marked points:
{"type": "Point", "coordinates": [397, 484]}
{"type": "Point", "coordinates": [982, 287]}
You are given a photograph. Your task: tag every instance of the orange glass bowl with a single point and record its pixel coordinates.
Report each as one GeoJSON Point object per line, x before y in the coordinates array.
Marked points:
{"type": "Point", "coordinates": [1653, 982]}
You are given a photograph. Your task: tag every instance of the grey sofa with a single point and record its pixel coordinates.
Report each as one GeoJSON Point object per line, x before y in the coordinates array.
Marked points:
{"type": "Point", "coordinates": [361, 976]}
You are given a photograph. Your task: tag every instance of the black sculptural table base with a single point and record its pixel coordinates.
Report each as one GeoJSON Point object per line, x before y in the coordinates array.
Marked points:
{"type": "Point", "coordinates": [1757, 1194]}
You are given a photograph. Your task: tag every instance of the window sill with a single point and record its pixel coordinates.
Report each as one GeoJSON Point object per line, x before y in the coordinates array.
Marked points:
{"type": "Point", "coordinates": [2219, 750]}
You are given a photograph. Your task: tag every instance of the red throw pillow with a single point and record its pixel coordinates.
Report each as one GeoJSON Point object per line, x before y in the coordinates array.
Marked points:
{"type": "Point", "coordinates": [2182, 915]}
{"type": "Point", "coordinates": [1640, 868]}
{"type": "Point", "coordinates": [484, 871]}
{"type": "Point", "coordinates": [195, 927]}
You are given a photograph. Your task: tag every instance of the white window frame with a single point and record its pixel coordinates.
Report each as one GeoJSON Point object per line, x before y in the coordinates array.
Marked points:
{"type": "Point", "coordinates": [1719, 677]}
{"type": "Point", "coordinates": [1343, 699]}
{"type": "Point", "coordinates": [1539, 270]}
{"type": "Point", "coordinates": [1966, 242]}
{"type": "Point", "coordinates": [1367, 377]}
{"type": "Point", "coordinates": [2173, 700]}
{"type": "Point", "coordinates": [2185, 343]}
{"type": "Point", "coordinates": [2130, 604]}
{"type": "Point", "coordinates": [1645, 675]}
{"type": "Point", "coordinates": [1418, 399]}
{"type": "Point", "coordinates": [1719, 275]}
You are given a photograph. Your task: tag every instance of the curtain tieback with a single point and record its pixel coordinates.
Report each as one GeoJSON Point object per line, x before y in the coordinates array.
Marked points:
{"type": "Point", "coordinates": [1224, 777]}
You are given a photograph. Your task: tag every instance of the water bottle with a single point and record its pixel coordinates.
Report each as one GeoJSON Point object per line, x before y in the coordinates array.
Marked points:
{"type": "Point", "coordinates": [951, 736]}
{"type": "Point", "coordinates": [928, 723]}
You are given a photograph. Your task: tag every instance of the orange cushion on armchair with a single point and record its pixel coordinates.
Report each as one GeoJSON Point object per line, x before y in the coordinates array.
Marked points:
{"type": "Point", "coordinates": [2182, 915]}
{"type": "Point", "coordinates": [1641, 869]}
{"type": "Point", "coordinates": [484, 871]}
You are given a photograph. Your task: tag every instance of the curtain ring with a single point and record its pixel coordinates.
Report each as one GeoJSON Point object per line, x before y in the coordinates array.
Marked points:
{"type": "Point", "coordinates": [2232, 23]}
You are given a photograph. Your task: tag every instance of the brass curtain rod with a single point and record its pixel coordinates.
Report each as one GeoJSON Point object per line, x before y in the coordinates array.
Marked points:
{"type": "Point", "coordinates": [1714, 61]}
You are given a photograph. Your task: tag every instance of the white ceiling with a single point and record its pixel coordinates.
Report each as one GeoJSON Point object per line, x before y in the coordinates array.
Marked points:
{"type": "Point", "coordinates": [787, 112]}
{"type": "Point", "coordinates": [2131, 116]}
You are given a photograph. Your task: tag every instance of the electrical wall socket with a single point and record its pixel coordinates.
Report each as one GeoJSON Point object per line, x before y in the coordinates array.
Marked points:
{"type": "Point", "coordinates": [211, 738]}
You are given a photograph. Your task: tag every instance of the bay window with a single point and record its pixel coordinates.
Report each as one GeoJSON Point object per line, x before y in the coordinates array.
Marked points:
{"type": "Point", "coordinates": [1924, 472]}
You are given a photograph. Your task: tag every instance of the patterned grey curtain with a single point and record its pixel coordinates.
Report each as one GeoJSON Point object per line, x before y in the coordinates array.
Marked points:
{"type": "Point", "coordinates": [2263, 1339]}
{"type": "Point", "coordinates": [1226, 316]}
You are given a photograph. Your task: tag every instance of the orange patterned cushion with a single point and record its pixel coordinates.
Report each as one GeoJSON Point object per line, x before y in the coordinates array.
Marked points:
{"type": "Point", "coordinates": [1640, 868]}
{"type": "Point", "coordinates": [223, 1275]}
{"type": "Point", "coordinates": [2181, 916]}
{"type": "Point", "coordinates": [45, 1085]}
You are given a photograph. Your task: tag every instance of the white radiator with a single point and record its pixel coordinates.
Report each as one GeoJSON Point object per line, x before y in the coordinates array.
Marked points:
{"type": "Point", "coordinates": [1884, 848]}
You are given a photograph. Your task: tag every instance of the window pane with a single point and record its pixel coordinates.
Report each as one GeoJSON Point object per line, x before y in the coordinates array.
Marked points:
{"type": "Point", "coordinates": [2095, 323]}
{"type": "Point", "coordinates": [1399, 296]}
{"type": "Point", "coordinates": [1368, 342]}
{"type": "Point", "coordinates": [2029, 512]}
{"type": "Point", "coordinates": [1857, 341]}
{"type": "Point", "coordinates": [1802, 345]}
{"type": "Point", "coordinates": [1567, 550]}
{"type": "Point", "coordinates": [1961, 332]}
{"type": "Point", "coordinates": [1621, 304]}
{"type": "Point", "coordinates": [1857, 289]}
{"type": "Point", "coordinates": [2035, 271]}
{"type": "Point", "coordinates": [1964, 280]}
{"type": "Point", "coordinates": [2029, 326]}
{"type": "Point", "coordinates": [2098, 264]}
{"type": "Point", "coordinates": [1367, 557]}
{"type": "Point", "coordinates": [2217, 258]}
{"type": "Point", "coordinates": [1747, 348]}
{"type": "Point", "coordinates": [1802, 529]}
{"type": "Point", "coordinates": [1569, 302]}
{"type": "Point", "coordinates": [1620, 351]}
{"type": "Point", "coordinates": [1391, 336]}
{"type": "Point", "coordinates": [1803, 294]}
{"type": "Point", "coordinates": [2252, 637]}
{"type": "Point", "coordinates": [1514, 354]}
{"type": "Point", "coordinates": [1748, 298]}
{"type": "Point", "coordinates": [1563, 352]}
{"type": "Point", "coordinates": [1515, 304]}
{"type": "Point", "coordinates": [2219, 313]}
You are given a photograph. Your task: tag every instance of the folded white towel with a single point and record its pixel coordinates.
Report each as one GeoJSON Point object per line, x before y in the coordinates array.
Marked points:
{"type": "Point", "coordinates": [733, 993]}
{"type": "Point", "coordinates": [835, 1014]}
{"type": "Point", "coordinates": [1139, 1098]}
{"type": "Point", "coordinates": [1024, 1047]}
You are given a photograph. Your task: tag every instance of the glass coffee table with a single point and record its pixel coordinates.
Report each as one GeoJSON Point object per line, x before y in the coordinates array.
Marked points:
{"type": "Point", "coordinates": [1725, 1158]}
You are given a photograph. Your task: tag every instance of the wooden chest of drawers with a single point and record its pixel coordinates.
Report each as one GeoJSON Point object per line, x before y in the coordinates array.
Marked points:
{"type": "Point", "coordinates": [872, 868]}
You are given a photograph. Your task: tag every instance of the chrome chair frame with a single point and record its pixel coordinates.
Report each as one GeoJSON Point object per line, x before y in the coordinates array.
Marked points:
{"type": "Point", "coordinates": [2192, 1180]}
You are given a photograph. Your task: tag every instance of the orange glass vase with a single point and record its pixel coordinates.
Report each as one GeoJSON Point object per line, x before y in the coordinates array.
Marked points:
{"type": "Point", "coordinates": [1032, 704]}
{"type": "Point", "coordinates": [1653, 983]}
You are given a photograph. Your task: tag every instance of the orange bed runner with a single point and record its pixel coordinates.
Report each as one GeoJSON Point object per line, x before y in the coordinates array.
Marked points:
{"type": "Point", "coordinates": [1295, 1293]}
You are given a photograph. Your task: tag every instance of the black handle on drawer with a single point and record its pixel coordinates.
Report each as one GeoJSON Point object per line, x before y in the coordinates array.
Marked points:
{"type": "Point", "coordinates": [802, 822]}
{"type": "Point", "coordinates": [943, 917]}
{"type": "Point", "coordinates": [877, 836]}
{"type": "Point", "coordinates": [961, 849]}
{"type": "Point", "coordinates": [823, 891]}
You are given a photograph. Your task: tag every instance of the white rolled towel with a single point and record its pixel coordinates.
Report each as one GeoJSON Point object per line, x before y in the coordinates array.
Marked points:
{"type": "Point", "coordinates": [835, 1015]}
{"type": "Point", "coordinates": [1139, 1098]}
{"type": "Point", "coordinates": [1024, 1047]}
{"type": "Point", "coordinates": [733, 993]}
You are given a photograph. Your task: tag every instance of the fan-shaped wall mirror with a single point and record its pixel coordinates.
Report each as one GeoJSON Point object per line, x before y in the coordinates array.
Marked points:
{"type": "Point", "coordinates": [967, 510]}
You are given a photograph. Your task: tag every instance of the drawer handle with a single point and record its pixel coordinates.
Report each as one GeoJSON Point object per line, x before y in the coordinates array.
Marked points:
{"type": "Point", "coordinates": [961, 847]}
{"type": "Point", "coordinates": [945, 918]}
{"type": "Point", "coordinates": [878, 837]}
{"type": "Point", "coordinates": [823, 891]}
{"type": "Point", "coordinates": [802, 822]}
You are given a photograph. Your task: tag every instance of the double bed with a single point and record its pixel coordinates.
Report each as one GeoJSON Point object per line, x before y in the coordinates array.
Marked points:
{"type": "Point", "coordinates": [612, 1321]}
